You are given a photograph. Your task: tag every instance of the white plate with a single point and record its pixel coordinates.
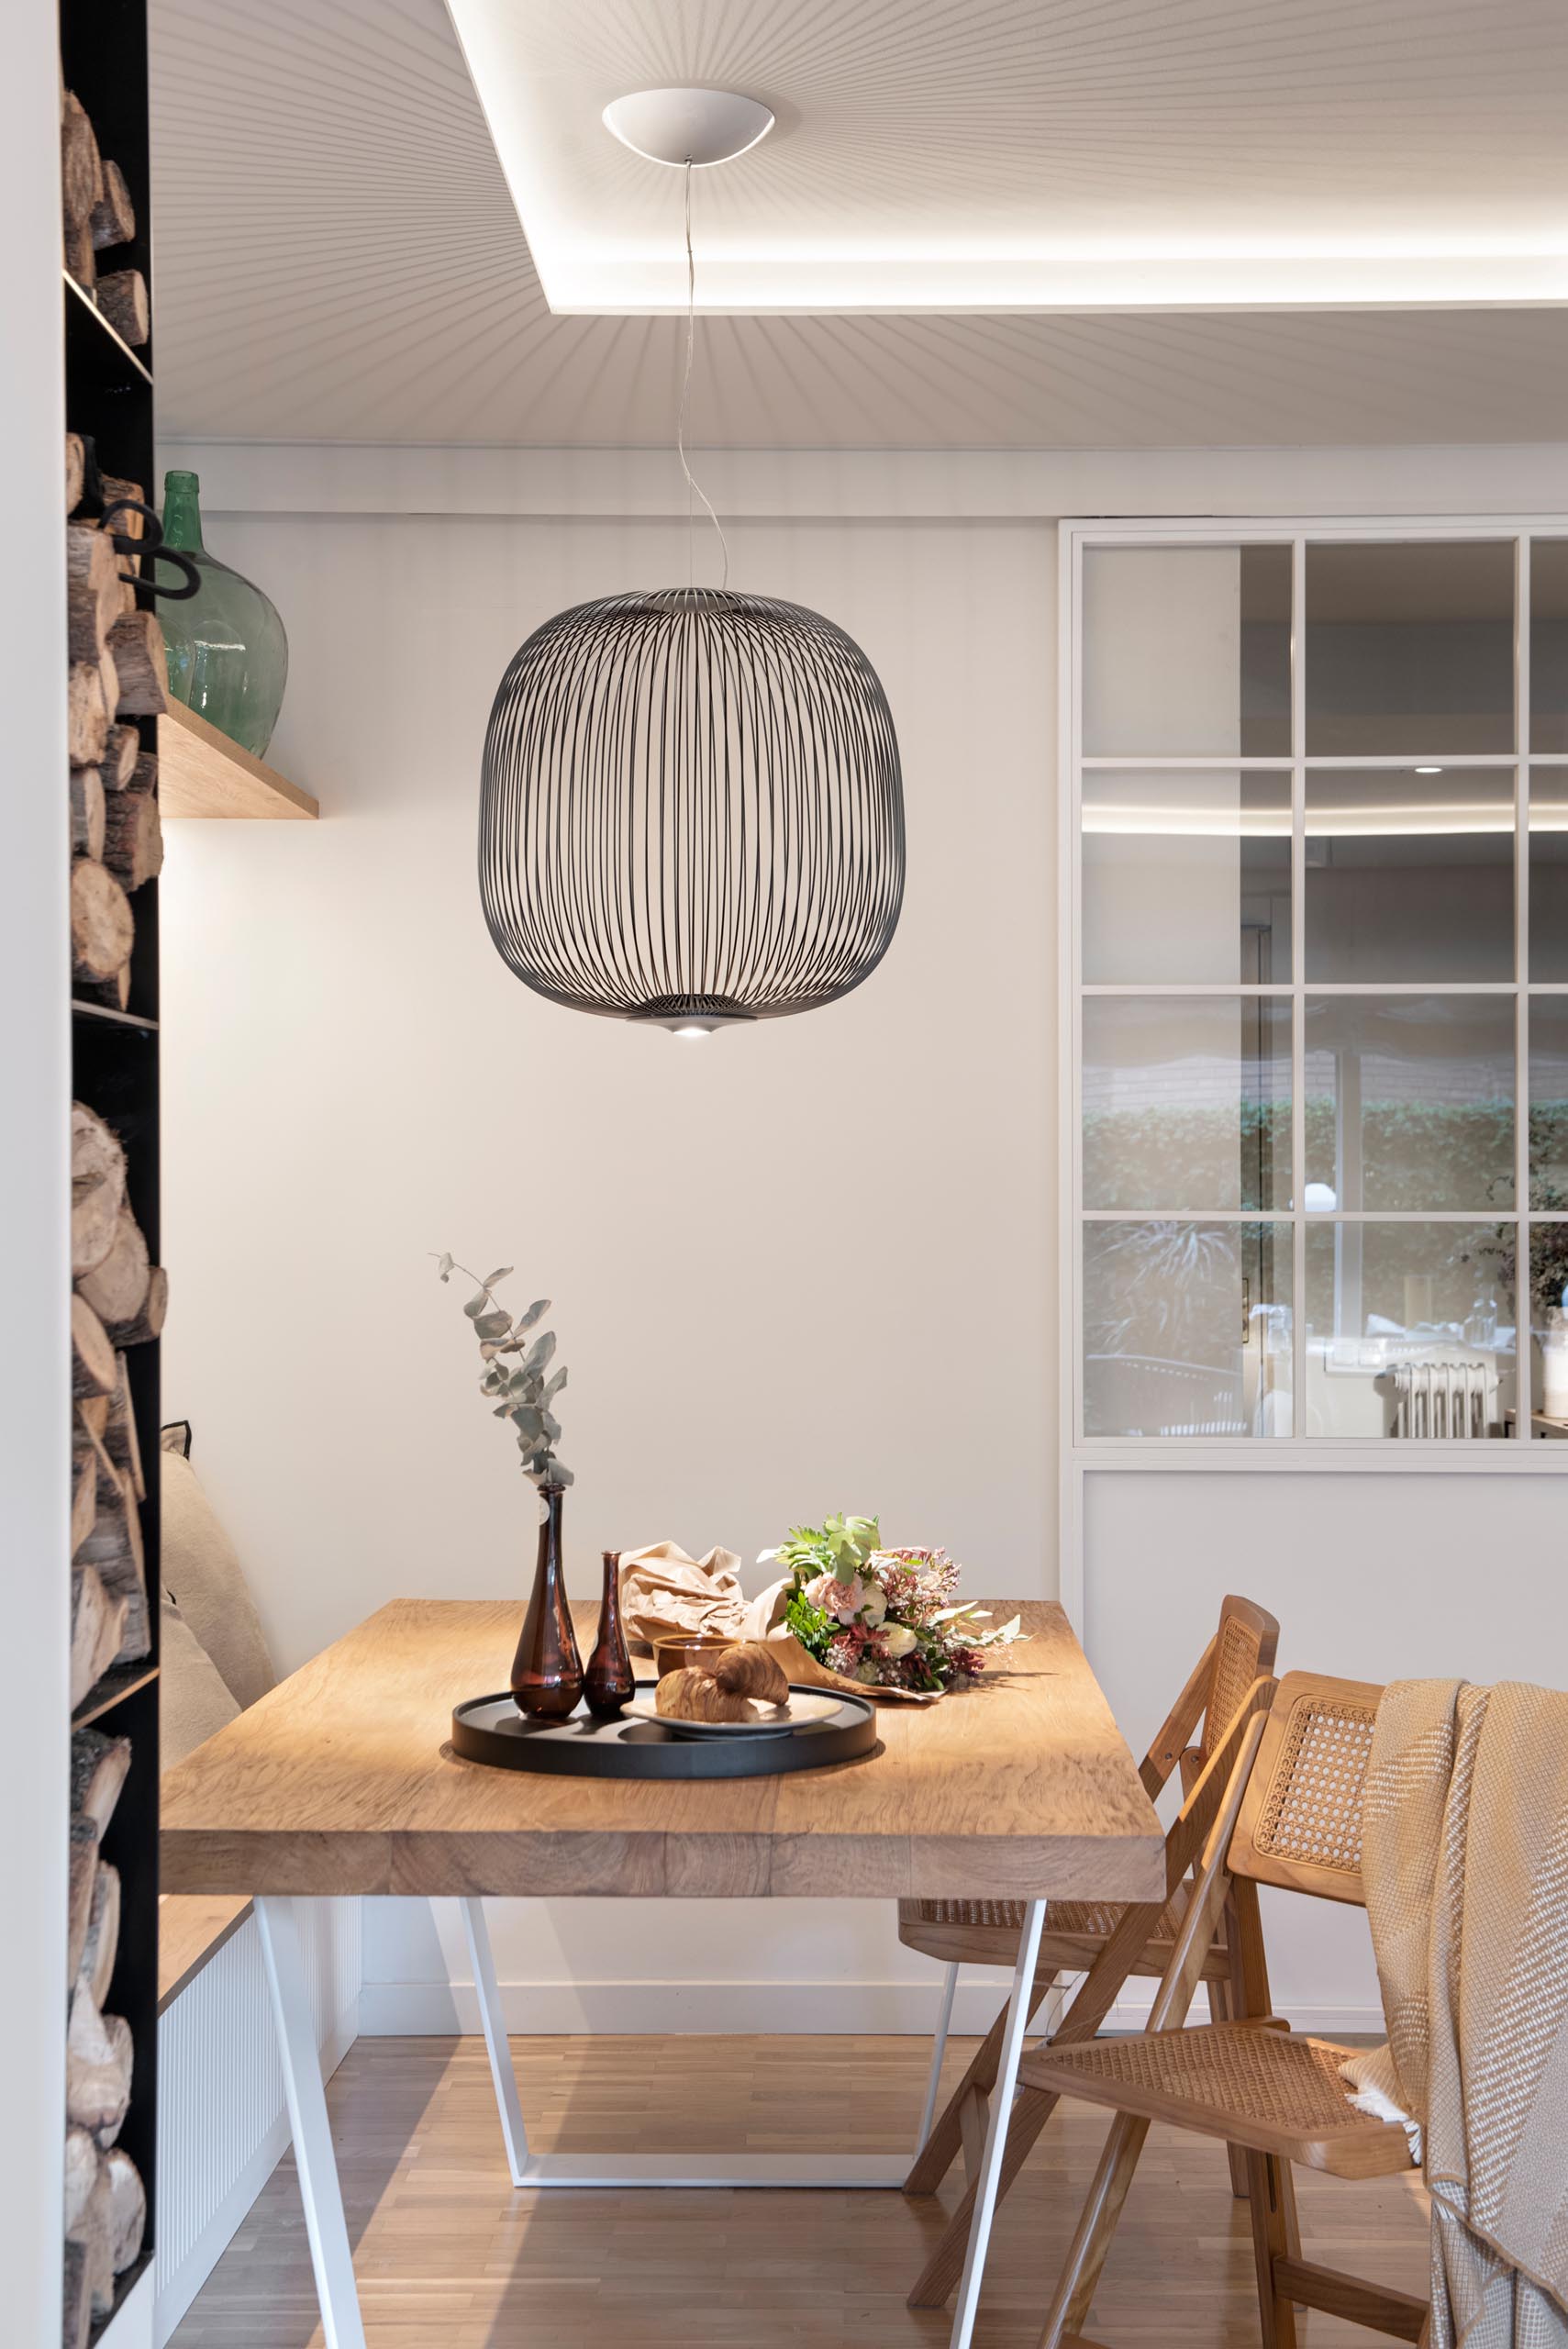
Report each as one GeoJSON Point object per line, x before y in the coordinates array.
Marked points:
{"type": "Point", "coordinates": [769, 1720]}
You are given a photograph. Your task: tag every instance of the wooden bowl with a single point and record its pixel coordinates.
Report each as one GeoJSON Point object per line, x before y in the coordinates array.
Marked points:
{"type": "Point", "coordinates": [675, 1655]}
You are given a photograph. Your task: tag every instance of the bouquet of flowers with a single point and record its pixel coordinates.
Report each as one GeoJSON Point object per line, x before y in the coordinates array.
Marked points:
{"type": "Point", "coordinates": [890, 1619]}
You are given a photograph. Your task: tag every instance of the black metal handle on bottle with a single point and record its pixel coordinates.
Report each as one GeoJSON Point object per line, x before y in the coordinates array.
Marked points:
{"type": "Point", "coordinates": [151, 544]}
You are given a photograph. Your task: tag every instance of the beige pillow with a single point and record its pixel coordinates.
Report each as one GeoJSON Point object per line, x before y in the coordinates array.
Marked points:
{"type": "Point", "coordinates": [194, 1703]}
{"type": "Point", "coordinates": [201, 1575]}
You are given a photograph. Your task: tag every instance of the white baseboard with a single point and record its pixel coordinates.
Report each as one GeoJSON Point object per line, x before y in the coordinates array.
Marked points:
{"type": "Point", "coordinates": [894, 2010]}
{"type": "Point", "coordinates": [438, 2009]}
{"type": "Point", "coordinates": [1132, 2013]}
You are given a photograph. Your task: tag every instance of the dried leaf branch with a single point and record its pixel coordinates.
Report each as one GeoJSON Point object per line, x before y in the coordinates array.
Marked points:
{"type": "Point", "coordinates": [516, 1362]}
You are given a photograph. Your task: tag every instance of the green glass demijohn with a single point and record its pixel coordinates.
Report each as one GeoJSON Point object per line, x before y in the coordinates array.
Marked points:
{"type": "Point", "coordinates": [228, 657]}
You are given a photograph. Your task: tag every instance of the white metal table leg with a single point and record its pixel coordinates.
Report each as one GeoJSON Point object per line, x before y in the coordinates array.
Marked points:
{"type": "Point", "coordinates": [939, 2049]}
{"type": "Point", "coordinates": [277, 1921]}
{"type": "Point", "coordinates": [996, 2126]}
{"type": "Point", "coordinates": [492, 2022]}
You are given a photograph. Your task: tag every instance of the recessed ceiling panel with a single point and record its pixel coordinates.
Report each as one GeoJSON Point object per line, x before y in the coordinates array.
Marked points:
{"type": "Point", "coordinates": [337, 258]}
{"type": "Point", "coordinates": [1045, 154]}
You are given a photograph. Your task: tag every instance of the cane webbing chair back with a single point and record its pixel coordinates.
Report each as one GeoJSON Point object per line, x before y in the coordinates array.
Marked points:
{"type": "Point", "coordinates": [1244, 1650]}
{"type": "Point", "coordinates": [1301, 1822]}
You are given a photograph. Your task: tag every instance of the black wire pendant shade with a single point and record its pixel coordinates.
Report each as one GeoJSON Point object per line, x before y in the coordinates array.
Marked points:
{"type": "Point", "coordinates": [691, 810]}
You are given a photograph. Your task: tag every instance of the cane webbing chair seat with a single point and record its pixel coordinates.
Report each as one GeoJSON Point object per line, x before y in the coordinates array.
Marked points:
{"type": "Point", "coordinates": [985, 1932]}
{"type": "Point", "coordinates": [1272, 2091]}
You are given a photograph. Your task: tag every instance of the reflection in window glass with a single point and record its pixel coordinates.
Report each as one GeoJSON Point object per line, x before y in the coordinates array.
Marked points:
{"type": "Point", "coordinates": [1549, 1322]}
{"type": "Point", "coordinates": [1186, 1101]}
{"type": "Point", "coordinates": [1549, 873]}
{"type": "Point", "coordinates": [1410, 1329]}
{"type": "Point", "coordinates": [1409, 649]}
{"type": "Point", "coordinates": [1410, 874]}
{"type": "Point", "coordinates": [1409, 1102]}
{"type": "Point", "coordinates": [1549, 645]}
{"type": "Point", "coordinates": [1186, 1329]}
{"type": "Point", "coordinates": [1549, 1103]}
{"type": "Point", "coordinates": [1185, 877]}
{"type": "Point", "coordinates": [1186, 651]}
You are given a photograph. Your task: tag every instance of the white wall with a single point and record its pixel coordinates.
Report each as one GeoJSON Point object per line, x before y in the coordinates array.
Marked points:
{"type": "Point", "coordinates": [1374, 1576]}
{"type": "Point", "coordinates": [794, 1270]}
{"type": "Point", "coordinates": [35, 1191]}
{"type": "Point", "coordinates": [799, 1269]}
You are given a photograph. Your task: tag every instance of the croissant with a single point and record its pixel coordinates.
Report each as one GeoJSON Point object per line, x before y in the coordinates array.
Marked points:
{"type": "Point", "coordinates": [752, 1669]}
{"type": "Point", "coordinates": [693, 1696]}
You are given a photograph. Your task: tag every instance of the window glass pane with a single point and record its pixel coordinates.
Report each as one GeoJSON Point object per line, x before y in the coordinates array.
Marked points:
{"type": "Point", "coordinates": [1186, 1329]}
{"type": "Point", "coordinates": [1549, 873]}
{"type": "Point", "coordinates": [1549, 645]}
{"type": "Point", "coordinates": [1186, 1101]}
{"type": "Point", "coordinates": [1549, 1103]}
{"type": "Point", "coordinates": [1548, 1350]}
{"type": "Point", "coordinates": [1409, 1328]}
{"type": "Point", "coordinates": [1185, 877]}
{"type": "Point", "coordinates": [1409, 873]}
{"type": "Point", "coordinates": [1409, 1102]}
{"type": "Point", "coordinates": [1186, 651]}
{"type": "Point", "coordinates": [1409, 648]}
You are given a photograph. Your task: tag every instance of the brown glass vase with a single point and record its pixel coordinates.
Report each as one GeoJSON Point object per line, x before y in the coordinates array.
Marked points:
{"type": "Point", "coordinates": [609, 1680]}
{"type": "Point", "coordinates": [547, 1671]}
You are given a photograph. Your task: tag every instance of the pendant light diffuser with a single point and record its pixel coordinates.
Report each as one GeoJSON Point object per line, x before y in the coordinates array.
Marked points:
{"type": "Point", "coordinates": [691, 810]}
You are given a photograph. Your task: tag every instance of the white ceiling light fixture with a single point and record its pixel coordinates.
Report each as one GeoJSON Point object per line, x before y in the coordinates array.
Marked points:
{"type": "Point", "coordinates": [681, 126]}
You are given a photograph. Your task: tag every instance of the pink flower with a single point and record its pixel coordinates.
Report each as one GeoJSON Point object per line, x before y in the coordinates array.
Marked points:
{"type": "Point", "coordinates": [842, 1601]}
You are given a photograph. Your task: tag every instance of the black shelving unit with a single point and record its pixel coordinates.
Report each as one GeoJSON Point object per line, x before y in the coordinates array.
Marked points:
{"type": "Point", "coordinates": [109, 397]}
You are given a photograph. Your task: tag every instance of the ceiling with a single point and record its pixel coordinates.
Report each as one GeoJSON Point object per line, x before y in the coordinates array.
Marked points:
{"type": "Point", "coordinates": [994, 154]}
{"type": "Point", "coordinates": [339, 257]}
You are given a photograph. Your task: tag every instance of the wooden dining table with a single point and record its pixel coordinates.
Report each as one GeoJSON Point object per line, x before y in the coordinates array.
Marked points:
{"type": "Point", "coordinates": [342, 1782]}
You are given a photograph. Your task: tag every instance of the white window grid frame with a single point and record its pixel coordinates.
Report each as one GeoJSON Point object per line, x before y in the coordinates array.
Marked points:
{"type": "Point", "coordinates": [1298, 1452]}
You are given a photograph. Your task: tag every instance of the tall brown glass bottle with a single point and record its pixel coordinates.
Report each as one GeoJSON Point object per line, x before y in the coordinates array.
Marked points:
{"type": "Point", "coordinates": [547, 1671]}
{"type": "Point", "coordinates": [609, 1680]}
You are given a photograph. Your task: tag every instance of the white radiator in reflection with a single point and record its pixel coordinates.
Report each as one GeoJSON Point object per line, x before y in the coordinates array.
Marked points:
{"type": "Point", "coordinates": [1444, 1398]}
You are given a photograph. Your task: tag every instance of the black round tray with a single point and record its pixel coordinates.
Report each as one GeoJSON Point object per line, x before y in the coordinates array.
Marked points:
{"type": "Point", "coordinates": [491, 1728]}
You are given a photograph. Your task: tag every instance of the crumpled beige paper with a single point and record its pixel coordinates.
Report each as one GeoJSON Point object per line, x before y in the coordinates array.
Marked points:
{"type": "Point", "coordinates": [665, 1594]}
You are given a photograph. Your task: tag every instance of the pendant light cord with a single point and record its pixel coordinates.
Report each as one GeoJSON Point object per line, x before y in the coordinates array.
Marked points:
{"type": "Point", "coordinates": [692, 485]}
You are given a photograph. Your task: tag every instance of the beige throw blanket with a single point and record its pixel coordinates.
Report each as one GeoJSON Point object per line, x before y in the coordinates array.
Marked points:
{"type": "Point", "coordinates": [1465, 1863]}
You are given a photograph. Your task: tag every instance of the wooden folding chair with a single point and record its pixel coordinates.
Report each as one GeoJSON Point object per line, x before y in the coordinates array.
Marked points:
{"type": "Point", "coordinates": [1103, 1941]}
{"type": "Point", "coordinates": [1291, 1817]}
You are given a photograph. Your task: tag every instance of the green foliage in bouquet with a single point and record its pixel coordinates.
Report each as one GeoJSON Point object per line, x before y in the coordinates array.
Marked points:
{"type": "Point", "coordinates": [515, 1381]}
{"type": "Point", "coordinates": [888, 1618]}
{"type": "Point", "coordinates": [839, 1547]}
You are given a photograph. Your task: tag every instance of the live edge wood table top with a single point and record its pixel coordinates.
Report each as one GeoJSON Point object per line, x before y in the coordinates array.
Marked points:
{"type": "Point", "coordinates": [341, 1781]}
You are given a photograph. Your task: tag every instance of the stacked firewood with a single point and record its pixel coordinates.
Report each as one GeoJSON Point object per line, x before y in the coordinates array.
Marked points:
{"type": "Point", "coordinates": [98, 216]}
{"type": "Point", "coordinates": [120, 1300]}
{"type": "Point", "coordinates": [105, 2202]}
{"type": "Point", "coordinates": [117, 675]}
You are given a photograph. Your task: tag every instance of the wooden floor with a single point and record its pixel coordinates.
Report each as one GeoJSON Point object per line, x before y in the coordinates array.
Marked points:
{"type": "Point", "coordinates": [450, 2257]}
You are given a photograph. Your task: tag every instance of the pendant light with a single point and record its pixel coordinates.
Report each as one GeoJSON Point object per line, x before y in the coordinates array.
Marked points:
{"type": "Point", "coordinates": [692, 811]}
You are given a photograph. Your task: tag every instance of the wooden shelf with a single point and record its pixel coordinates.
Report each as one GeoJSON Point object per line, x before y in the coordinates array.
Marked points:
{"type": "Point", "coordinates": [122, 1680]}
{"type": "Point", "coordinates": [202, 773]}
{"type": "Point", "coordinates": [81, 1011]}
{"type": "Point", "coordinates": [113, 359]}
